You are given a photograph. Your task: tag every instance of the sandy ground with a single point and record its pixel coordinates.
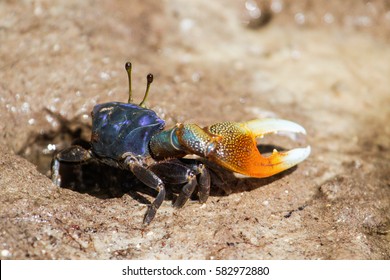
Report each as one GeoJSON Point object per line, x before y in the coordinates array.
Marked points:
{"type": "Point", "coordinates": [325, 67]}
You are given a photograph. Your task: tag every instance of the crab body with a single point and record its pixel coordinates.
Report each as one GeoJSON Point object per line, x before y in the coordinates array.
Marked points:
{"type": "Point", "coordinates": [132, 137]}
{"type": "Point", "coordinates": [119, 128]}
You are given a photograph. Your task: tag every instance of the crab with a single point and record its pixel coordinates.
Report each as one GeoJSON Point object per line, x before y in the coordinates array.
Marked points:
{"type": "Point", "coordinates": [132, 137]}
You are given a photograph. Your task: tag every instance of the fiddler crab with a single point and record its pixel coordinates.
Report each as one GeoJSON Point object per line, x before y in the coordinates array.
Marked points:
{"type": "Point", "coordinates": [132, 137]}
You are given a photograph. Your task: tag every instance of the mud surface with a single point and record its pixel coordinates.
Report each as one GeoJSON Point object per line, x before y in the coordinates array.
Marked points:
{"type": "Point", "coordinates": [325, 67]}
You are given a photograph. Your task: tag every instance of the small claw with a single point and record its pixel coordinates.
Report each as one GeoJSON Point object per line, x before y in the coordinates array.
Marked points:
{"type": "Point", "coordinates": [235, 147]}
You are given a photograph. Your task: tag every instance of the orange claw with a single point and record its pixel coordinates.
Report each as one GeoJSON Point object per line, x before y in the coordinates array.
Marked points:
{"type": "Point", "coordinates": [236, 147]}
{"type": "Point", "coordinates": [232, 145]}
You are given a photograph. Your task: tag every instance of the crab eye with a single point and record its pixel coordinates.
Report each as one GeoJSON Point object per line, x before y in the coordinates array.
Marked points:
{"type": "Point", "coordinates": [149, 80]}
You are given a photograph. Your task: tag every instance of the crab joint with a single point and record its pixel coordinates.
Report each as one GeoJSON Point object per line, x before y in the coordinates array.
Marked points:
{"type": "Point", "coordinates": [182, 140]}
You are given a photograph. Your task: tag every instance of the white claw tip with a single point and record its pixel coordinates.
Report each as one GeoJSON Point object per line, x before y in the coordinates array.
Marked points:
{"type": "Point", "coordinates": [267, 126]}
{"type": "Point", "coordinates": [300, 154]}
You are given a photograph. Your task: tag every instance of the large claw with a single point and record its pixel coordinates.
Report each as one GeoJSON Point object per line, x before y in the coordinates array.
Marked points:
{"type": "Point", "coordinates": [237, 147]}
{"type": "Point", "coordinates": [233, 145]}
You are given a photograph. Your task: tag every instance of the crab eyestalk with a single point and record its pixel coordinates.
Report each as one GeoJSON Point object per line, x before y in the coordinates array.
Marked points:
{"type": "Point", "coordinates": [149, 80]}
{"type": "Point", "coordinates": [231, 145]}
{"type": "Point", "coordinates": [128, 70]}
